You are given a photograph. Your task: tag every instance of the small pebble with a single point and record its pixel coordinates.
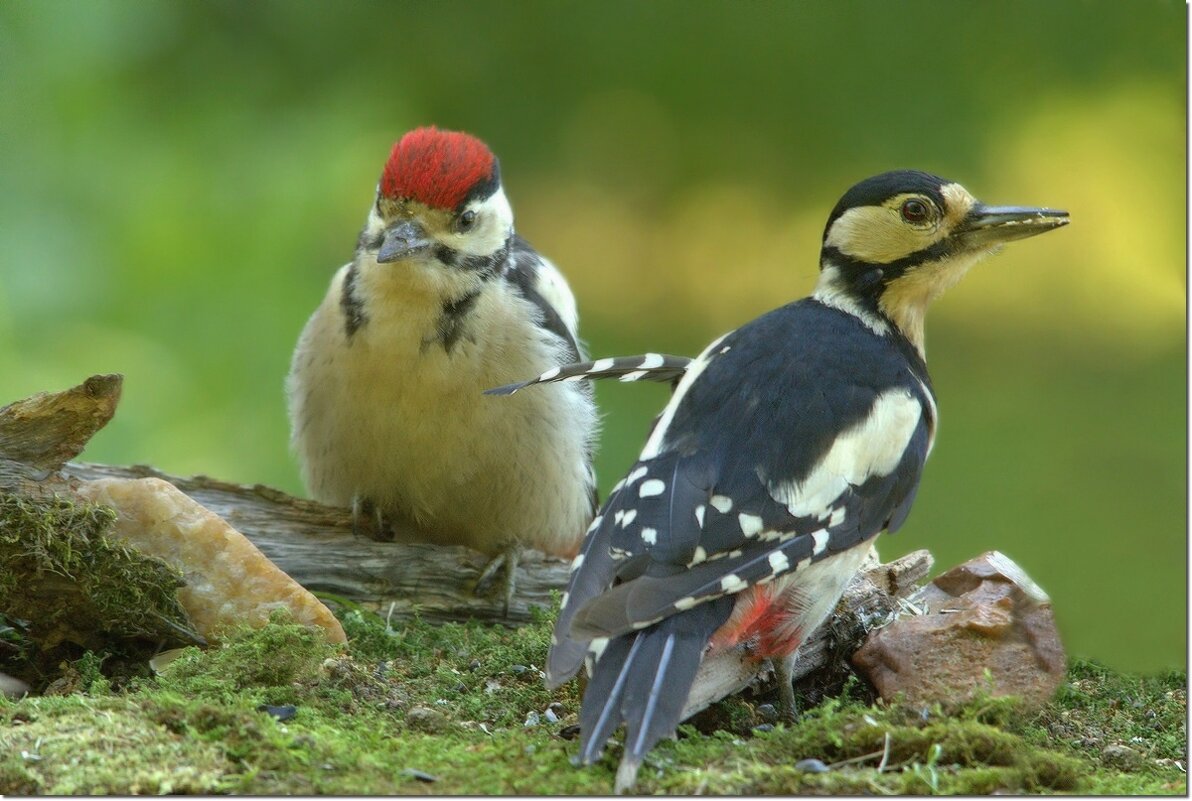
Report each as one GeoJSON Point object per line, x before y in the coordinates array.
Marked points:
{"type": "Point", "coordinates": [532, 719]}
{"type": "Point", "coordinates": [419, 775]}
{"type": "Point", "coordinates": [460, 688]}
{"type": "Point", "coordinates": [811, 766]}
{"type": "Point", "coordinates": [280, 712]}
{"type": "Point", "coordinates": [764, 727]}
{"type": "Point", "coordinates": [569, 732]}
{"type": "Point", "coordinates": [550, 715]}
{"type": "Point", "coordinates": [474, 665]}
{"type": "Point", "coordinates": [1121, 756]}
{"type": "Point", "coordinates": [768, 713]}
{"type": "Point", "coordinates": [517, 670]}
{"type": "Point", "coordinates": [426, 719]}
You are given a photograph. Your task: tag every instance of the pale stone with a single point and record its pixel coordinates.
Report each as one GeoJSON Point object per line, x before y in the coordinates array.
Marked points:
{"type": "Point", "coordinates": [228, 581]}
{"type": "Point", "coordinates": [985, 615]}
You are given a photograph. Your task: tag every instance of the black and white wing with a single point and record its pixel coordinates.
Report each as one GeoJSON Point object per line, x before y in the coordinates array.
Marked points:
{"type": "Point", "coordinates": [647, 367]}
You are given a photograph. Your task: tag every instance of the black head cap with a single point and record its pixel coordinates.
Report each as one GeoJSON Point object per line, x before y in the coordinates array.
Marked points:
{"type": "Point", "coordinates": [873, 191]}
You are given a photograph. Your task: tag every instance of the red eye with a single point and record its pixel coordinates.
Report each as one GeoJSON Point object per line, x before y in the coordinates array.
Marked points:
{"type": "Point", "coordinates": [915, 211]}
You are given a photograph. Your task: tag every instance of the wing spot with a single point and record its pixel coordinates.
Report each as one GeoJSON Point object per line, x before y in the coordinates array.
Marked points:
{"type": "Point", "coordinates": [700, 555]}
{"type": "Point", "coordinates": [722, 503]}
{"type": "Point", "coordinates": [699, 515]}
{"type": "Point", "coordinates": [685, 603]}
{"type": "Point", "coordinates": [778, 561]}
{"type": "Point", "coordinates": [635, 375]}
{"type": "Point", "coordinates": [820, 538]}
{"type": "Point", "coordinates": [596, 523]}
{"type": "Point", "coordinates": [650, 536]}
{"type": "Point", "coordinates": [601, 365]}
{"type": "Point", "coordinates": [577, 562]}
{"type": "Point", "coordinates": [751, 525]}
{"type": "Point", "coordinates": [732, 583]}
{"type": "Point", "coordinates": [549, 374]}
{"type": "Point", "coordinates": [652, 361]}
{"type": "Point", "coordinates": [629, 518]}
{"type": "Point", "coordinates": [651, 488]}
{"type": "Point", "coordinates": [636, 474]}
{"type": "Point", "coordinates": [837, 517]}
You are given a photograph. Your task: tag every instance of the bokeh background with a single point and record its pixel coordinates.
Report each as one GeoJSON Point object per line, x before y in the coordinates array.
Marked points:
{"type": "Point", "coordinates": [180, 180]}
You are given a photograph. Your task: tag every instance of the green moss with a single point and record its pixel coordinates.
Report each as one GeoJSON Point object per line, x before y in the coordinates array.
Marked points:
{"type": "Point", "coordinates": [360, 727]}
{"type": "Point", "coordinates": [72, 585]}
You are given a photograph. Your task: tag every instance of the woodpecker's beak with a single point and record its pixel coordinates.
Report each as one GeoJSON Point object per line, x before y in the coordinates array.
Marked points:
{"type": "Point", "coordinates": [402, 239]}
{"type": "Point", "coordinates": [986, 226]}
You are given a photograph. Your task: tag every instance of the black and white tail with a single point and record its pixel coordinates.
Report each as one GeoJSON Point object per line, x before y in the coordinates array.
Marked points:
{"type": "Point", "coordinates": [649, 367]}
{"type": "Point", "coordinates": [642, 678]}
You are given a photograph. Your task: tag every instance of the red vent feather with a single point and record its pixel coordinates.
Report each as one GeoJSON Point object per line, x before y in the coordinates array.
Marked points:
{"type": "Point", "coordinates": [438, 168]}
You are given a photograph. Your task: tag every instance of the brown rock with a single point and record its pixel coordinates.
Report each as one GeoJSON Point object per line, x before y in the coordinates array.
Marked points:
{"type": "Point", "coordinates": [986, 614]}
{"type": "Point", "coordinates": [228, 581]}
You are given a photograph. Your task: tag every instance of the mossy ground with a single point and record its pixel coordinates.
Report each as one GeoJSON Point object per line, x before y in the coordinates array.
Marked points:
{"type": "Point", "coordinates": [464, 705]}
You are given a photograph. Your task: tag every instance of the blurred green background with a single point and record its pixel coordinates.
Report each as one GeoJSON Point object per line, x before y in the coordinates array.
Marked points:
{"type": "Point", "coordinates": [181, 179]}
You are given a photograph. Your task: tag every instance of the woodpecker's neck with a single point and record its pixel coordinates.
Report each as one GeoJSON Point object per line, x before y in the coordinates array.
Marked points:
{"type": "Point", "coordinates": [890, 297]}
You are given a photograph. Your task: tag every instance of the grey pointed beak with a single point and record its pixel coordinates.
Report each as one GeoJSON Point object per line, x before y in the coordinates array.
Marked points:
{"type": "Point", "coordinates": [986, 226]}
{"type": "Point", "coordinates": [402, 239]}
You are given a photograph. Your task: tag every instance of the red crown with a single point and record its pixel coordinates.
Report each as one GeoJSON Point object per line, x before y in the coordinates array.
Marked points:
{"type": "Point", "coordinates": [438, 168]}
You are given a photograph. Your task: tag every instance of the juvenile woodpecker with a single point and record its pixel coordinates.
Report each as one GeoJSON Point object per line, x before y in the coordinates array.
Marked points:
{"type": "Point", "coordinates": [787, 445]}
{"type": "Point", "coordinates": [441, 301]}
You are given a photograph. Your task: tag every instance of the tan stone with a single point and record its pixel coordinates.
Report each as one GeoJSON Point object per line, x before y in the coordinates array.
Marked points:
{"type": "Point", "coordinates": [228, 581]}
{"type": "Point", "coordinates": [985, 615]}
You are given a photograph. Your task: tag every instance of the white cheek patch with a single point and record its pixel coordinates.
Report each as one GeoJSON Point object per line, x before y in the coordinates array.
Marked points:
{"type": "Point", "coordinates": [878, 235]}
{"type": "Point", "coordinates": [873, 447]}
{"type": "Point", "coordinates": [494, 218]}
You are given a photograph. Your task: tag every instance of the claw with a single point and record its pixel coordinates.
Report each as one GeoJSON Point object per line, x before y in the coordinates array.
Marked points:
{"type": "Point", "coordinates": [504, 563]}
{"type": "Point", "coordinates": [368, 521]}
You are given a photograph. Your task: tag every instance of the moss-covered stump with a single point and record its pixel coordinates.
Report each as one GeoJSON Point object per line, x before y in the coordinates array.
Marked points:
{"type": "Point", "coordinates": [462, 709]}
{"type": "Point", "coordinates": [65, 586]}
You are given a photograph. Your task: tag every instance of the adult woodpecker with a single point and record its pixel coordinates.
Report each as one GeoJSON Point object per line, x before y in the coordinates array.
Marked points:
{"type": "Point", "coordinates": [787, 445]}
{"type": "Point", "coordinates": [442, 300]}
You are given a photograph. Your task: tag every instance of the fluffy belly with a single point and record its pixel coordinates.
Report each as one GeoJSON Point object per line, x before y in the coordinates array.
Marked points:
{"type": "Point", "coordinates": [411, 430]}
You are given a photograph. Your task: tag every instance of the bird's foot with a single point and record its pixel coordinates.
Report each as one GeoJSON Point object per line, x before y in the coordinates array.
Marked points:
{"type": "Point", "coordinates": [367, 521]}
{"type": "Point", "coordinates": [500, 576]}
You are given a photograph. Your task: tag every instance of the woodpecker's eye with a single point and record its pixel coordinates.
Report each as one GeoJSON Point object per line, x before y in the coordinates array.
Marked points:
{"type": "Point", "coordinates": [915, 211]}
{"type": "Point", "coordinates": [465, 221]}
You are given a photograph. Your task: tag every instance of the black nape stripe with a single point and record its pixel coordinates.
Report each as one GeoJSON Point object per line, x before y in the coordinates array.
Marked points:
{"type": "Point", "coordinates": [353, 307]}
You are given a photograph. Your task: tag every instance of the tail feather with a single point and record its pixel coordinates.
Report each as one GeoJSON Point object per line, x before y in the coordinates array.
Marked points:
{"type": "Point", "coordinates": [643, 679]}
{"type": "Point", "coordinates": [592, 571]}
{"type": "Point", "coordinates": [648, 367]}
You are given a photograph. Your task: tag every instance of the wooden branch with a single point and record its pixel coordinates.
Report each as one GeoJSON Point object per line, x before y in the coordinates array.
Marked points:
{"type": "Point", "coordinates": [315, 545]}
{"type": "Point", "coordinates": [46, 430]}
